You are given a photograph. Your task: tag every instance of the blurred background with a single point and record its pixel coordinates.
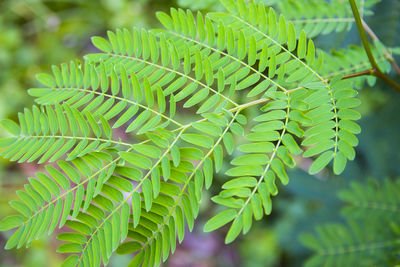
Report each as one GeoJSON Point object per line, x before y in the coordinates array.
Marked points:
{"type": "Point", "coordinates": [34, 34]}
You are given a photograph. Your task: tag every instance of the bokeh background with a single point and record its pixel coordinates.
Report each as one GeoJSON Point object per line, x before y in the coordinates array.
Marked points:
{"type": "Point", "coordinates": [34, 34]}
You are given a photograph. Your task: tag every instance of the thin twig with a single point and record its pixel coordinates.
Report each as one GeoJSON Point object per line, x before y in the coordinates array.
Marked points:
{"type": "Point", "coordinates": [371, 71]}
{"type": "Point", "coordinates": [352, 75]}
{"type": "Point", "coordinates": [388, 56]}
{"type": "Point", "coordinates": [363, 36]}
{"type": "Point", "coordinates": [361, 73]}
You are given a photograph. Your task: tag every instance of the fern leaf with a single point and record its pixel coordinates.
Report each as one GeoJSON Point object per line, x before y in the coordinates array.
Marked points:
{"type": "Point", "coordinates": [366, 243]}
{"type": "Point", "coordinates": [337, 63]}
{"type": "Point", "coordinates": [327, 148]}
{"type": "Point", "coordinates": [184, 206]}
{"type": "Point", "coordinates": [269, 149]}
{"type": "Point", "coordinates": [357, 243]}
{"type": "Point", "coordinates": [51, 132]}
{"type": "Point", "coordinates": [42, 205]}
{"type": "Point", "coordinates": [322, 17]}
{"type": "Point", "coordinates": [371, 196]}
{"type": "Point", "coordinates": [107, 105]}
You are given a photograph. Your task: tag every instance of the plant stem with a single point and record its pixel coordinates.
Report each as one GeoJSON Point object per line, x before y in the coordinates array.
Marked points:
{"type": "Point", "coordinates": [361, 73]}
{"type": "Point", "coordinates": [357, 74]}
{"type": "Point", "coordinates": [364, 40]}
{"type": "Point", "coordinates": [388, 56]}
{"type": "Point", "coordinates": [363, 36]}
{"type": "Point", "coordinates": [352, 75]}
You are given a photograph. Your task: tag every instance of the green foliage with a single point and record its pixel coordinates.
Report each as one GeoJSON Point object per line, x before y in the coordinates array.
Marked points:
{"type": "Point", "coordinates": [373, 197]}
{"type": "Point", "coordinates": [33, 34]}
{"type": "Point", "coordinates": [353, 59]}
{"type": "Point", "coordinates": [362, 241]}
{"type": "Point", "coordinates": [50, 133]}
{"type": "Point", "coordinates": [250, 79]}
{"type": "Point", "coordinates": [322, 17]}
{"type": "Point", "coordinates": [200, 5]}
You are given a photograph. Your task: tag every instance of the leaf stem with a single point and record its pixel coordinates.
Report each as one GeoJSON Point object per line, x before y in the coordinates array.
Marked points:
{"type": "Point", "coordinates": [358, 74]}
{"type": "Point", "coordinates": [364, 40]}
{"type": "Point", "coordinates": [362, 247]}
{"type": "Point", "coordinates": [351, 75]}
{"type": "Point", "coordinates": [190, 177]}
{"type": "Point", "coordinates": [363, 36]}
{"type": "Point", "coordinates": [388, 56]}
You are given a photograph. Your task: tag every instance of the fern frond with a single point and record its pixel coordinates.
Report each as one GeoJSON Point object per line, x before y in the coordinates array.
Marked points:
{"type": "Point", "coordinates": [179, 199]}
{"type": "Point", "coordinates": [322, 17]}
{"type": "Point", "coordinates": [332, 134]}
{"type": "Point", "coordinates": [92, 89]}
{"type": "Point", "coordinates": [150, 186]}
{"type": "Point", "coordinates": [375, 241]}
{"type": "Point", "coordinates": [329, 111]}
{"type": "Point", "coordinates": [185, 205]}
{"type": "Point", "coordinates": [269, 149]}
{"type": "Point", "coordinates": [351, 60]}
{"type": "Point", "coordinates": [372, 197]}
{"type": "Point", "coordinates": [51, 195]}
{"type": "Point", "coordinates": [50, 132]}
{"type": "Point", "coordinates": [366, 244]}
{"type": "Point", "coordinates": [275, 32]}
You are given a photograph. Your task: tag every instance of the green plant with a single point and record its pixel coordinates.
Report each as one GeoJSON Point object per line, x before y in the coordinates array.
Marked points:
{"type": "Point", "coordinates": [259, 92]}
{"type": "Point", "coordinates": [362, 241]}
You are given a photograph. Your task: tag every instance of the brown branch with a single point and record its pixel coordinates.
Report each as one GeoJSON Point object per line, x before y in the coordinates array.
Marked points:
{"type": "Point", "coordinates": [356, 74]}
{"type": "Point", "coordinates": [361, 73]}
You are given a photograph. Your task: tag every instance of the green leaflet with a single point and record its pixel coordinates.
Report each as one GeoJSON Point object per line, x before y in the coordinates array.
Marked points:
{"type": "Point", "coordinates": [70, 261]}
{"type": "Point", "coordinates": [199, 140]}
{"type": "Point", "coordinates": [148, 150]}
{"type": "Point", "coordinates": [101, 44]}
{"type": "Point", "coordinates": [129, 247]}
{"type": "Point", "coordinates": [46, 79]}
{"type": "Point", "coordinates": [251, 159]}
{"type": "Point", "coordinates": [240, 182]}
{"type": "Point", "coordinates": [219, 220]}
{"type": "Point", "coordinates": [11, 127]}
{"type": "Point", "coordinates": [136, 207]}
{"type": "Point", "coordinates": [321, 162]}
{"type": "Point", "coordinates": [147, 193]}
{"type": "Point", "coordinates": [245, 170]}
{"type": "Point", "coordinates": [11, 222]}
{"type": "Point", "coordinates": [339, 163]}
{"type": "Point", "coordinates": [208, 172]}
{"type": "Point", "coordinates": [137, 160]}
{"type": "Point", "coordinates": [234, 231]}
